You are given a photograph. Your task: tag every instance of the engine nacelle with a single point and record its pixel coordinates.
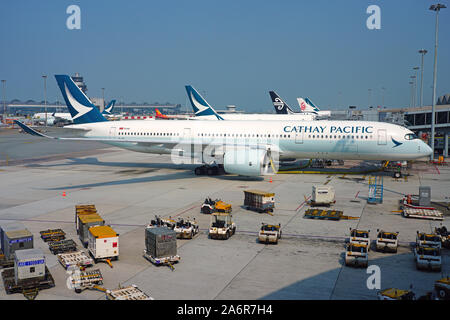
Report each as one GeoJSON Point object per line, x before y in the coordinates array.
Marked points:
{"type": "Point", "coordinates": [247, 162]}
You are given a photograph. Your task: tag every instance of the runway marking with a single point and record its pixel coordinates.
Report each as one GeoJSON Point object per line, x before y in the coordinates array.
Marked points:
{"type": "Point", "coordinates": [437, 169]}
{"type": "Point", "coordinates": [185, 211]}
{"type": "Point", "coordinates": [303, 203]}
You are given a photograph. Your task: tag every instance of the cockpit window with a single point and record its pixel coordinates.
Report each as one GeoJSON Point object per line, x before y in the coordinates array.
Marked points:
{"type": "Point", "coordinates": [411, 136]}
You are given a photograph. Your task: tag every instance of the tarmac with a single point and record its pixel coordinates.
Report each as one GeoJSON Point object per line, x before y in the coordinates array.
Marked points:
{"type": "Point", "coordinates": [130, 188]}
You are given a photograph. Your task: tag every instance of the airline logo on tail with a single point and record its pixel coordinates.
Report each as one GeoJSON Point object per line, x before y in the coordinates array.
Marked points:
{"type": "Point", "coordinates": [109, 108]}
{"type": "Point", "coordinates": [280, 106]}
{"type": "Point", "coordinates": [308, 101]}
{"type": "Point", "coordinates": [80, 107]}
{"type": "Point", "coordinates": [305, 106]}
{"type": "Point", "coordinates": [159, 114]}
{"type": "Point", "coordinates": [199, 104]}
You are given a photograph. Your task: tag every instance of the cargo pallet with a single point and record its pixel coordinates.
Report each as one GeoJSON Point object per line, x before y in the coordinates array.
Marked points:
{"type": "Point", "coordinates": [334, 215]}
{"type": "Point", "coordinates": [128, 293]}
{"type": "Point", "coordinates": [88, 280]}
{"type": "Point", "coordinates": [5, 263]}
{"type": "Point", "coordinates": [52, 235]}
{"type": "Point", "coordinates": [428, 214]}
{"type": "Point", "coordinates": [28, 287]}
{"type": "Point", "coordinates": [62, 246]}
{"type": "Point", "coordinates": [78, 258]}
{"type": "Point", "coordinates": [167, 261]}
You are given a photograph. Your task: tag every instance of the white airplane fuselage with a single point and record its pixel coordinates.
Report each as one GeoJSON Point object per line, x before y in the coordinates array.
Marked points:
{"type": "Point", "coordinates": [301, 139]}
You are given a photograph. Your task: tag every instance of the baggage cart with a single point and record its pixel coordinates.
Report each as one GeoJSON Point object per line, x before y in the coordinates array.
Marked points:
{"type": "Point", "coordinates": [259, 201]}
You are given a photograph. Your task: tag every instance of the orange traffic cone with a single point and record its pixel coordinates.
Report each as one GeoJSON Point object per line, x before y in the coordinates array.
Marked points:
{"type": "Point", "coordinates": [64, 193]}
{"type": "Point", "coordinates": [270, 180]}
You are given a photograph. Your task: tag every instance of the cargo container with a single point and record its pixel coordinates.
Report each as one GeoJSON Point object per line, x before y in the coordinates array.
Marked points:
{"type": "Point", "coordinates": [103, 243]}
{"type": "Point", "coordinates": [322, 195]}
{"type": "Point", "coordinates": [86, 222]}
{"type": "Point", "coordinates": [29, 264]}
{"type": "Point", "coordinates": [160, 243]}
{"type": "Point", "coordinates": [67, 245]}
{"type": "Point", "coordinates": [16, 240]}
{"type": "Point", "coordinates": [260, 201]}
{"type": "Point", "coordinates": [9, 226]}
{"type": "Point", "coordinates": [83, 209]}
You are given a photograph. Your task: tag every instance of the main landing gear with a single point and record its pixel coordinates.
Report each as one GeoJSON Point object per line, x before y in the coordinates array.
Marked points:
{"type": "Point", "coordinates": [209, 170]}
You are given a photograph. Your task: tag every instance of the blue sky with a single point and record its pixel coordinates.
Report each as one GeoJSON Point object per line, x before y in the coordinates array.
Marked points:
{"type": "Point", "coordinates": [234, 51]}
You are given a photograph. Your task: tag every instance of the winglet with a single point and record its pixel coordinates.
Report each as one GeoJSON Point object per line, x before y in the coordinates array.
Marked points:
{"type": "Point", "coordinates": [31, 131]}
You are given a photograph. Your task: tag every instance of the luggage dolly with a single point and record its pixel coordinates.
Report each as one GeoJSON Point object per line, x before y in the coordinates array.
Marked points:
{"type": "Point", "coordinates": [167, 261]}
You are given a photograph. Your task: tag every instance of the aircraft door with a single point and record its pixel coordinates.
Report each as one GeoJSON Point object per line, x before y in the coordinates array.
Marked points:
{"type": "Point", "coordinates": [112, 132]}
{"type": "Point", "coordinates": [299, 137]}
{"type": "Point", "coordinates": [382, 137]}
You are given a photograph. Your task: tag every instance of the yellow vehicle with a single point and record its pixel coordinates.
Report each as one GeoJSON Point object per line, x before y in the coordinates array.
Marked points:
{"type": "Point", "coordinates": [360, 237]}
{"type": "Point", "coordinates": [269, 233]}
{"type": "Point", "coordinates": [428, 258]}
{"type": "Point", "coordinates": [356, 255]}
{"type": "Point", "coordinates": [442, 288]}
{"type": "Point", "coordinates": [428, 240]}
{"type": "Point", "coordinates": [210, 206]}
{"type": "Point", "coordinates": [222, 226]}
{"type": "Point", "coordinates": [387, 241]}
{"type": "Point", "coordinates": [395, 294]}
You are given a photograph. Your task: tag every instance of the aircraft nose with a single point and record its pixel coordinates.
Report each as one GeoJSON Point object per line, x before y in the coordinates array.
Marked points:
{"type": "Point", "coordinates": [425, 149]}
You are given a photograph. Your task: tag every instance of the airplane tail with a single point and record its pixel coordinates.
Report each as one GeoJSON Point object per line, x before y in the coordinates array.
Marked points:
{"type": "Point", "coordinates": [199, 104]}
{"type": "Point", "coordinates": [308, 101]}
{"type": "Point", "coordinates": [80, 107]}
{"type": "Point", "coordinates": [305, 106]}
{"type": "Point", "coordinates": [159, 114]}
{"type": "Point", "coordinates": [109, 108]}
{"type": "Point", "coordinates": [280, 106]}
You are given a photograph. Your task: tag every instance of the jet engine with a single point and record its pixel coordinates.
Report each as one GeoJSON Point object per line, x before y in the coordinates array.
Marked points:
{"type": "Point", "coordinates": [247, 162]}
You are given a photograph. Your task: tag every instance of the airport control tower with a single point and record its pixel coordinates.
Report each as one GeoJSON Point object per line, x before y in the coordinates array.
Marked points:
{"type": "Point", "coordinates": [79, 82]}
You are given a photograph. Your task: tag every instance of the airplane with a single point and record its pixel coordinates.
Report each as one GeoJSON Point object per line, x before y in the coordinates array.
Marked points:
{"type": "Point", "coordinates": [160, 115]}
{"type": "Point", "coordinates": [54, 117]}
{"type": "Point", "coordinates": [306, 105]}
{"type": "Point", "coordinates": [244, 147]}
{"type": "Point", "coordinates": [204, 111]}
{"type": "Point", "coordinates": [282, 107]}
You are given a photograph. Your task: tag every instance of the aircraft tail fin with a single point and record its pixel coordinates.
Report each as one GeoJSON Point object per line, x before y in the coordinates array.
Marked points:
{"type": "Point", "coordinates": [199, 104]}
{"type": "Point", "coordinates": [305, 106]}
{"type": "Point", "coordinates": [308, 101]}
{"type": "Point", "coordinates": [109, 108]}
{"type": "Point", "coordinates": [80, 107]}
{"type": "Point", "coordinates": [280, 106]}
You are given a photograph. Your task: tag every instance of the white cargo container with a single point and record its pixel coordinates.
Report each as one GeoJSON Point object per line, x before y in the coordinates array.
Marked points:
{"type": "Point", "coordinates": [324, 195]}
{"type": "Point", "coordinates": [103, 243]}
{"type": "Point", "coordinates": [29, 264]}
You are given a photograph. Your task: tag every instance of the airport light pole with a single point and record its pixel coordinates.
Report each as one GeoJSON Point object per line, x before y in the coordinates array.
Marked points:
{"type": "Point", "coordinates": [4, 99]}
{"type": "Point", "coordinates": [415, 86]}
{"type": "Point", "coordinates": [413, 90]}
{"type": "Point", "coordinates": [370, 91]}
{"type": "Point", "coordinates": [45, 97]}
{"type": "Point", "coordinates": [103, 97]}
{"type": "Point", "coordinates": [423, 52]}
{"type": "Point", "coordinates": [436, 8]}
{"type": "Point", "coordinates": [382, 96]}
{"type": "Point", "coordinates": [411, 94]}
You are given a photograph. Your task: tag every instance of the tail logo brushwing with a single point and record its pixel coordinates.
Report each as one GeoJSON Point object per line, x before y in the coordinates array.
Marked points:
{"type": "Point", "coordinates": [79, 108]}
{"type": "Point", "coordinates": [198, 105]}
